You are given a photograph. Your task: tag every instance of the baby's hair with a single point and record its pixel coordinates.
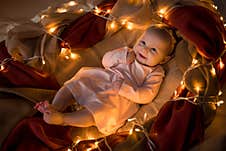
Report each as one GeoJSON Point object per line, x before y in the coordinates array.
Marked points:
{"type": "Point", "coordinates": [166, 30]}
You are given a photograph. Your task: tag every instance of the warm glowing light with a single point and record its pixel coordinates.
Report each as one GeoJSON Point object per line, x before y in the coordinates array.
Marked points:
{"type": "Point", "coordinates": [67, 57]}
{"type": "Point", "coordinates": [197, 88]}
{"type": "Point", "coordinates": [129, 25]}
{"type": "Point", "coordinates": [220, 102]}
{"type": "Point", "coordinates": [162, 12]}
{"type": "Point", "coordinates": [213, 71]}
{"type": "Point", "coordinates": [137, 130]}
{"type": "Point", "coordinates": [214, 6]}
{"type": "Point", "coordinates": [97, 10]}
{"type": "Point", "coordinates": [145, 116]}
{"type": "Point", "coordinates": [90, 138]}
{"type": "Point", "coordinates": [52, 29]}
{"type": "Point", "coordinates": [43, 61]}
{"type": "Point", "coordinates": [61, 10]}
{"type": "Point", "coordinates": [175, 93]}
{"type": "Point", "coordinates": [221, 18]}
{"type": "Point", "coordinates": [72, 3]}
{"type": "Point", "coordinates": [108, 11]}
{"type": "Point", "coordinates": [194, 61]}
{"type": "Point", "coordinates": [220, 93]}
{"type": "Point", "coordinates": [69, 149]}
{"type": "Point", "coordinates": [64, 50]}
{"type": "Point", "coordinates": [74, 56]}
{"type": "Point", "coordinates": [43, 16]}
{"type": "Point", "coordinates": [182, 84]}
{"type": "Point", "coordinates": [2, 68]}
{"type": "Point", "coordinates": [89, 149]}
{"type": "Point", "coordinates": [131, 119]}
{"type": "Point", "coordinates": [221, 64]}
{"type": "Point", "coordinates": [81, 10]}
{"type": "Point", "coordinates": [113, 25]}
{"type": "Point", "coordinates": [123, 21]}
{"type": "Point", "coordinates": [224, 25]}
{"type": "Point", "coordinates": [96, 144]}
{"type": "Point", "coordinates": [131, 131]}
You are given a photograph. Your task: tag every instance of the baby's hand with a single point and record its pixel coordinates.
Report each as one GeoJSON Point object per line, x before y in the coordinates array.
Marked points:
{"type": "Point", "coordinates": [131, 56]}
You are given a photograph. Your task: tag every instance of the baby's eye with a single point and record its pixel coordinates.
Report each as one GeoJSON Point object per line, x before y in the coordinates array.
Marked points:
{"type": "Point", "coordinates": [153, 49]}
{"type": "Point", "coordinates": [142, 43]}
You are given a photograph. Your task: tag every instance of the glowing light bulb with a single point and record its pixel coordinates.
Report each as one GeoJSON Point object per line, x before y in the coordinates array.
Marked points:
{"type": "Point", "coordinates": [175, 93]}
{"type": "Point", "coordinates": [74, 56]}
{"type": "Point", "coordinates": [221, 18]}
{"type": "Point", "coordinates": [2, 67]}
{"type": "Point", "coordinates": [145, 116]}
{"type": "Point", "coordinates": [137, 130]}
{"type": "Point", "coordinates": [96, 144]}
{"type": "Point", "coordinates": [221, 64]}
{"type": "Point", "coordinates": [90, 138]}
{"type": "Point", "coordinates": [77, 141]}
{"type": "Point", "coordinates": [194, 61]}
{"type": "Point", "coordinates": [89, 149]}
{"type": "Point", "coordinates": [131, 131]}
{"type": "Point", "coordinates": [61, 10]}
{"type": "Point", "coordinates": [197, 88]}
{"type": "Point", "coordinates": [214, 6]}
{"type": "Point", "coordinates": [123, 21]}
{"type": "Point", "coordinates": [220, 102]}
{"type": "Point", "coordinates": [43, 61]}
{"type": "Point", "coordinates": [182, 84]}
{"type": "Point", "coordinates": [220, 93]}
{"type": "Point", "coordinates": [81, 10]}
{"type": "Point", "coordinates": [108, 11]}
{"type": "Point", "coordinates": [213, 71]}
{"type": "Point", "coordinates": [131, 119]}
{"type": "Point", "coordinates": [43, 16]}
{"type": "Point", "coordinates": [72, 3]}
{"type": "Point", "coordinates": [224, 25]}
{"type": "Point", "coordinates": [162, 12]}
{"type": "Point", "coordinates": [97, 10]}
{"type": "Point", "coordinates": [69, 149]}
{"type": "Point", "coordinates": [113, 25]}
{"type": "Point", "coordinates": [129, 25]}
{"type": "Point", "coordinates": [52, 29]}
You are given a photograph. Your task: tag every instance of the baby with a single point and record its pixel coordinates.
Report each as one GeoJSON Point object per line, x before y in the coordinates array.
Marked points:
{"type": "Point", "coordinates": [111, 95]}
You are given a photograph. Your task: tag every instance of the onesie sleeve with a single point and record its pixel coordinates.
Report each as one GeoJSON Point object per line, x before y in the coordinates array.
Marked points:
{"type": "Point", "coordinates": [147, 91]}
{"type": "Point", "coordinates": [115, 57]}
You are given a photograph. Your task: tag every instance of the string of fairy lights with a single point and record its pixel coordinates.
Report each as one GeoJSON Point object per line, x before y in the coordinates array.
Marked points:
{"type": "Point", "coordinates": [116, 23]}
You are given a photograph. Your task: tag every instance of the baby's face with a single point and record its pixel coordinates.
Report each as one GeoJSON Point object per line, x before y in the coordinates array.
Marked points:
{"type": "Point", "coordinates": [151, 49]}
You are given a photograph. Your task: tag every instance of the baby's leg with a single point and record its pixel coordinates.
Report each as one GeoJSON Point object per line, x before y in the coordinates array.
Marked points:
{"type": "Point", "coordinates": [81, 118]}
{"type": "Point", "coordinates": [63, 99]}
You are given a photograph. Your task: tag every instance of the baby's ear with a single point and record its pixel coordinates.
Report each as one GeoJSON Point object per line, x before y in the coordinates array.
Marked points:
{"type": "Point", "coordinates": [165, 60]}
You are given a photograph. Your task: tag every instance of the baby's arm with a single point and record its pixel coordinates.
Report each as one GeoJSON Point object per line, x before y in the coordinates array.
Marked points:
{"type": "Point", "coordinates": [146, 92]}
{"type": "Point", "coordinates": [115, 57]}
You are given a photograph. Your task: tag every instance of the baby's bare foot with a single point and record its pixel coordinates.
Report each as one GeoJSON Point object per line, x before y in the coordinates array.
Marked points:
{"type": "Point", "coordinates": [53, 118]}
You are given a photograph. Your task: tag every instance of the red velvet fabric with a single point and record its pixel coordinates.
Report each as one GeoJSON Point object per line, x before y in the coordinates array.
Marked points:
{"type": "Point", "coordinates": [33, 134]}
{"type": "Point", "coordinates": [178, 126]}
{"type": "Point", "coordinates": [16, 74]}
{"type": "Point", "coordinates": [202, 27]}
{"type": "Point", "coordinates": [88, 29]}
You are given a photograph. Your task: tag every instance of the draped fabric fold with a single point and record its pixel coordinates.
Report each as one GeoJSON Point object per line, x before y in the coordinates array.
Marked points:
{"type": "Point", "coordinates": [87, 30]}
{"type": "Point", "coordinates": [178, 126]}
{"type": "Point", "coordinates": [200, 26]}
{"type": "Point", "coordinates": [17, 74]}
{"type": "Point", "coordinates": [33, 134]}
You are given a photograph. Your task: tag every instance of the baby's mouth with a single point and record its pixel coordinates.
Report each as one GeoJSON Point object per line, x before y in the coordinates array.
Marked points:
{"type": "Point", "coordinates": [142, 56]}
